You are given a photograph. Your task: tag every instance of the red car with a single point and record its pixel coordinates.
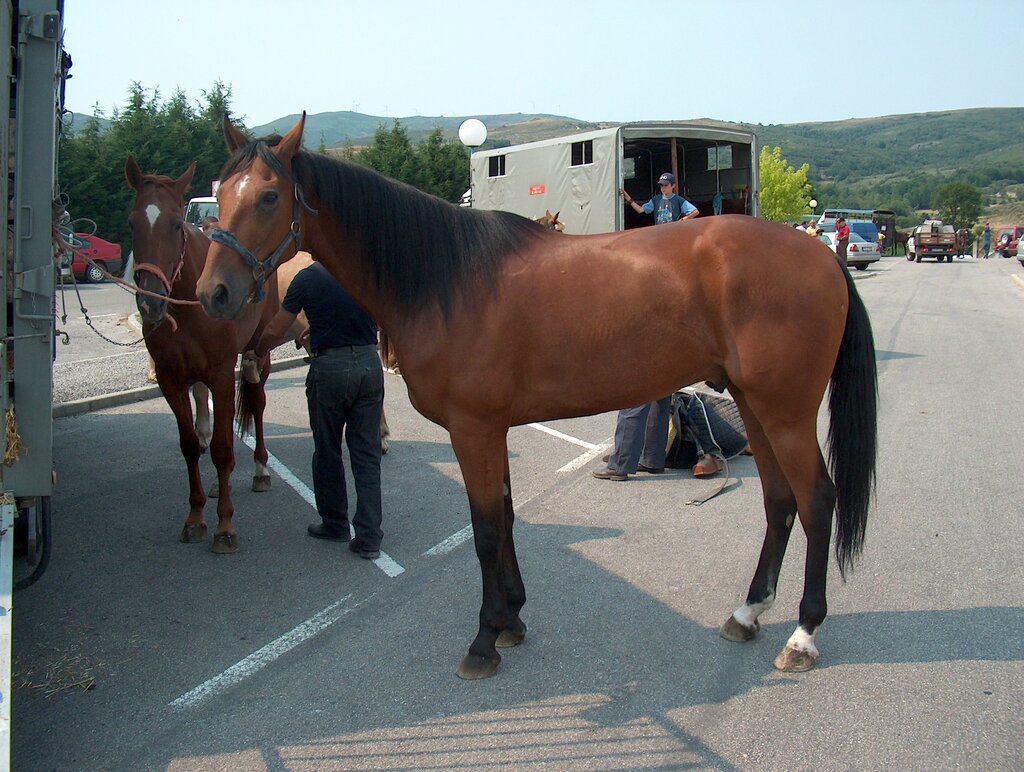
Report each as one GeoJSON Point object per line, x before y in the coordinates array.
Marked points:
{"type": "Point", "coordinates": [100, 251]}
{"type": "Point", "coordinates": [1006, 243]}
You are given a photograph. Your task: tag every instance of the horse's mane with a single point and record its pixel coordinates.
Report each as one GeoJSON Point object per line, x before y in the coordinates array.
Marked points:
{"type": "Point", "coordinates": [419, 248]}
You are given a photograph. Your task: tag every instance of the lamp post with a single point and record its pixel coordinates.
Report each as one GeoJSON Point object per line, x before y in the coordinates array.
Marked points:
{"type": "Point", "coordinates": [472, 134]}
{"type": "Point", "coordinates": [814, 205]}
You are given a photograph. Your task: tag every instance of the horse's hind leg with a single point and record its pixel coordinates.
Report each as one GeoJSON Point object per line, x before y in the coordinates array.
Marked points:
{"type": "Point", "coordinates": [794, 443]}
{"type": "Point", "coordinates": [204, 427]}
{"type": "Point", "coordinates": [252, 403]}
{"type": "Point", "coordinates": [780, 510]}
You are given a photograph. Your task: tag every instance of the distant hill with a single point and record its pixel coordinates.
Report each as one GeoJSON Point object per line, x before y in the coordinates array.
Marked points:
{"type": "Point", "coordinates": [893, 162]}
{"type": "Point", "coordinates": [985, 144]}
{"type": "Point", "coordinates": [337, 129]}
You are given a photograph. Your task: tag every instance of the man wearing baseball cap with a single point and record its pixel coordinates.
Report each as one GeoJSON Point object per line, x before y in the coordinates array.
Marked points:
{"type": "Point", "coordinates": [666, 206]}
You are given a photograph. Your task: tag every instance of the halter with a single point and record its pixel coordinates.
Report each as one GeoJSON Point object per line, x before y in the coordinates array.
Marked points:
{"type": "Point", "coordinates": [264, 269]}
{"type": "Point", "coordinates": [155, 270]}
{"type": "Point", "coordinates": [168, 284]}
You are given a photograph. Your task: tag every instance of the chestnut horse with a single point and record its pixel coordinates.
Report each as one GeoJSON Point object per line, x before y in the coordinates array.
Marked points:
{"type": "Point", "coordinates": [189, 348]}
{"type": "Point", "coordinates": [559, 326]}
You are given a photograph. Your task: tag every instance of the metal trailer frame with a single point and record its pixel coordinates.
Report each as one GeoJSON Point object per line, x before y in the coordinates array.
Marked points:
{"type": "Point", "coordinates": [34, 72]}
{"type": "Point", "coordinates": [579, 176]}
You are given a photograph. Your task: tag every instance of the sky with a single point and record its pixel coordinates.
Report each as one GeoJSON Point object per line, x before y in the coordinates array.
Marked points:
{"type": "Point", "coordinates": [774, 61]}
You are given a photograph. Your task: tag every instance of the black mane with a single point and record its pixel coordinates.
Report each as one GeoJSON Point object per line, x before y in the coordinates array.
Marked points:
{"type": "Point", "coordinates": [419, 248]}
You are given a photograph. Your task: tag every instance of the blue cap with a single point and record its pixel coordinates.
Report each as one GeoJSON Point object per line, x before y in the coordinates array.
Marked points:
{"type": "Point", "coordinates": [667, 179]}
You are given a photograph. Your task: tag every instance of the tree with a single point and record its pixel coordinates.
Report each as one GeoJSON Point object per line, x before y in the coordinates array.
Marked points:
{"type": "Point", "coordinates": [164, 138]}
{"type": "Point", "coordinates": [435, 166]}
{"type": "Point", "coordinates": [958, 204]}
{"type": "Point", "coordinates": [785, 192]}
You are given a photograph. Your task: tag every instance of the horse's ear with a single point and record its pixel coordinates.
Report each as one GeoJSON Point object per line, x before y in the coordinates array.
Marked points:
{"type": "Point", "coordinates": [555, 218]}
{"type": "Point", "coordinates": [291, 143]}
{"type": "Point", "coordinates": [234, 138]}
{"type": "Point", "coordinates": [132, 173]}
{"type": "Point", "coordinates": [185, 180]}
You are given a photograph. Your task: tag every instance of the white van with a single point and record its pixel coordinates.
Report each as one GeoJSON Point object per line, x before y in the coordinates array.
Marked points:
{"type": "Point", "coordinates": [200, 208]}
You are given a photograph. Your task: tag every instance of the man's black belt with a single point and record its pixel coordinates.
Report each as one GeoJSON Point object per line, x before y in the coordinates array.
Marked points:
{"type": "Point", "coordinates": [353, 347]}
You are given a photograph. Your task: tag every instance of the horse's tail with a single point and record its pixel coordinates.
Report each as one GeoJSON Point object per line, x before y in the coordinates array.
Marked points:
{"type": "Point", "coordinates": [853, 430]}
{"type": "Point", "coordinates": [244, 404]}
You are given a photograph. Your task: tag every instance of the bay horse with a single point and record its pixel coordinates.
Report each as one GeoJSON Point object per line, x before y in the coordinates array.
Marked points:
{"type": "Point", "coordinates": [189, 348]}
{"type": "Point", "coordinates": [560, 326]}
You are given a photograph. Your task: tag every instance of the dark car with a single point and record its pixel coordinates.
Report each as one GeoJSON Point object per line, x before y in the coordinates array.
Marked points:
{"type": "Point", "coordinates": [103, 254]}
{"type": "Point", "coordinates": [1006, 241]}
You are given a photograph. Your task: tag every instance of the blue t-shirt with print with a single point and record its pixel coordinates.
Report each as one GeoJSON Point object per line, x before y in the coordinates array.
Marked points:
{"type": "Point", "coordinates": [668, 208]}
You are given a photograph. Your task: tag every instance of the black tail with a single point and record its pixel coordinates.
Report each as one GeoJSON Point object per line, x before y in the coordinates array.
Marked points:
{"type": "Point", "coordinates": [853, 430]}
{"type": "Point", "coordinates": [243, 405]}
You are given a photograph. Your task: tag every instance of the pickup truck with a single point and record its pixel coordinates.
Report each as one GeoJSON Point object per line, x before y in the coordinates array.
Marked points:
{"type": "Point", "coordinates": [933, 239]}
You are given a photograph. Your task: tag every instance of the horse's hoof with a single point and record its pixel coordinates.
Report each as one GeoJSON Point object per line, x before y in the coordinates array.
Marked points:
{"type": "Point", "coordinates": [193, 533]}
{"type": "Point", "coordinates": [261, 483]}
{"type": "Point", "coordinates": [474, 666]}
{"type": "Point", "coordinates": [511, 636]}
{"type": "Point", "coordinates": [225, 543]}
{"type": "Point", "coordinates": [793, 660]}
{"type": "Point", "coordinates": [214, 491]}
{"type": "Point", "coordinates": [734, 631]}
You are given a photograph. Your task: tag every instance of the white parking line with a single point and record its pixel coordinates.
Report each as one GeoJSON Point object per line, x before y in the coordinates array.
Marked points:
{"type": "Point", "coordinates": [261, 658]}
{"type": "Point", "coordinates": [593, 451]}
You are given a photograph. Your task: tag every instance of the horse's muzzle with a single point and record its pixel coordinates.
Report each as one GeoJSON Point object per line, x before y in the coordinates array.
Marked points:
{"type": "Point", "coordinates": [152, 310]}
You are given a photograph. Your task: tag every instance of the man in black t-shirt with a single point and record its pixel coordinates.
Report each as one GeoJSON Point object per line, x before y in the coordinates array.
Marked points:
{"type": "Point", "coordinates": [344, 394]}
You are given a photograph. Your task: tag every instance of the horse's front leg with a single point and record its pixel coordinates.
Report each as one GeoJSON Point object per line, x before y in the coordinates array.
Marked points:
{"type": "Point", "coordinates": [176, 395]}
{"type": "Point", "coordinates": [515, 591]}
{"type": "Point", "coordinates": [483, 458]}
{"type": "Point", "coordinates": [222, 451]}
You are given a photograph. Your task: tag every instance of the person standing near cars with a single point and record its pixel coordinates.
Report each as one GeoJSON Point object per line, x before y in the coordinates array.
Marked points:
{"type": "Point", "coordinates": [344, 394]}
{"type": "Point", "coordinates": [986, 241]}
{"type": "Point", "coordinates": [842, 240]}
{"type": "Point", "coordinates": [641, 433]}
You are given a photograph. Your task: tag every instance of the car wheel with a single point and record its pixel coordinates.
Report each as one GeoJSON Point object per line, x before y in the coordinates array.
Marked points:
{"type": "Point", "coordinates": [910, 256]}
{"type": "Point", "coordinates": [860, 266]}
{"type": "Point", "coordinates": [93, 273]}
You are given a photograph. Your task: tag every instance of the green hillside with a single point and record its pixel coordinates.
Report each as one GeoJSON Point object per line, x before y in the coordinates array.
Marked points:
{"type": "Point", "coordinates": [893, 162]}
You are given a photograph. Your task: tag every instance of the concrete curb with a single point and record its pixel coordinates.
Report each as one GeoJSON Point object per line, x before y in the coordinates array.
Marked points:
{"type": "Point", "coordinates": [118, 398]}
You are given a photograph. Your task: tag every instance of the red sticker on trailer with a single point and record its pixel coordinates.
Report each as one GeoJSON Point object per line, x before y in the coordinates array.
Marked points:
{"type": "Point", "coordinates": [537, 190]}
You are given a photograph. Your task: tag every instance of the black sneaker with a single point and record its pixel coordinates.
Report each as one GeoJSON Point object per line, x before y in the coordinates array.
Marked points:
{"type": "Point", "coordinates": [324, 531]}
{"type": "Point", "coordinates": [364, 552]}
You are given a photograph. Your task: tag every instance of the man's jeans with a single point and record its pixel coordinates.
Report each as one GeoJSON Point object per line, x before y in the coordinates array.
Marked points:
{"type": "Point", "coordinates": [345, 392]}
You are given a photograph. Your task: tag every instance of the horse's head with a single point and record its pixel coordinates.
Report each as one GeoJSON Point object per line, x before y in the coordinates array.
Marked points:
{"type": "Point", "coordinates": [159, 236]}
{"type": "Point", "coordinates": [260, 206]}
{"type": "Point", "coordinates": [550, 221]}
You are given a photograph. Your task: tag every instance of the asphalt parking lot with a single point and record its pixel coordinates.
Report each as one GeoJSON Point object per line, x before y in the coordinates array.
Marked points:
{"type": "Point", "coordinates": [295, 654]}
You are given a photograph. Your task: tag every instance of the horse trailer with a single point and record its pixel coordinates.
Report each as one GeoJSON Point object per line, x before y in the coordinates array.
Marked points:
{"type": "Point", "coordinates": [580, 176]}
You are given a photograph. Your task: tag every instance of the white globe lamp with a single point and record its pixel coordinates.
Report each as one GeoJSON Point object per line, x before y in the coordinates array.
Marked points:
{"type": "Point", "coordinates": [472, 133]}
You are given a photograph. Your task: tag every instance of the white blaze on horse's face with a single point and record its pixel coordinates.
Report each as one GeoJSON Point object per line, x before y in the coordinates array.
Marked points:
{"type": "Point", "coordinates": [152, 215]}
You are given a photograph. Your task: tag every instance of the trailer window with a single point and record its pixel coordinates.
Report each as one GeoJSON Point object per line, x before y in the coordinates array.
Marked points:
{"type": "Point", "coordinates": [582, 153]}
{"type": "Point", "coordinates": [720, 157]}
{"type": "Point", "coordinates": [496, 166]}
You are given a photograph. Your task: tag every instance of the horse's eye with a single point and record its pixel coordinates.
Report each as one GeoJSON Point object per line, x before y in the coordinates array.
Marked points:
{"type": "Point", "coordinates": [177, 226]}
{"type": "Point", "coordinates": [269, 197]}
